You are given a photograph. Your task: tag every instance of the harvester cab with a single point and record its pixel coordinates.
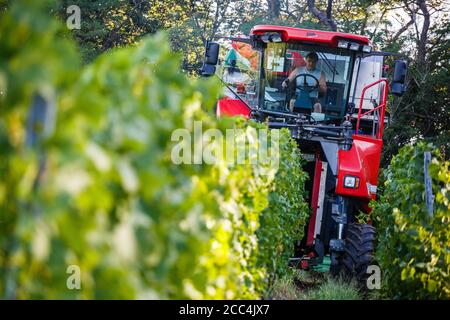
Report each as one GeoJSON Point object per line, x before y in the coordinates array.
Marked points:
{"type": "Point", "coordinates": [329, 89]}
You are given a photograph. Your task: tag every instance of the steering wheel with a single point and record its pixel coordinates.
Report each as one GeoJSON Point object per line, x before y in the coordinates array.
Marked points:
{"type": "Point", "coordinates": [305, 86]}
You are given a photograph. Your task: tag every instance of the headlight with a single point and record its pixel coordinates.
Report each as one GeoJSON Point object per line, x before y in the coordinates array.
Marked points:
{"type": "Point", "coordinates": [265, 38]}
{"type": "Point", "coordinates": [354, 46]}
{"type": "Point", "coordinates": [367, 49]}
{"type": "Point", "coordinates": [271, 37]}
{"type": "Point", "coordinates": [276, 37]}
{"type": "Point", "coordinates": [351, 182]}
{"type": "Point", "coordinates": [343, 44]}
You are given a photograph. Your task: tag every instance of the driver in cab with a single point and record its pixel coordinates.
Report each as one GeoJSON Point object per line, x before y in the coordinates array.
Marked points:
{"type": "Point", "coordinates": [309, 69]}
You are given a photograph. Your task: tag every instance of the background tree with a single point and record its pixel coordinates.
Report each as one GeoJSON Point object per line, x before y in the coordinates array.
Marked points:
{"type": "Point", "coordinates": [424, 110]}
{"type": "Point", "coordinates": [417, 29]}
{"type": "Point", "coordinates": [107, 24]}
{"type": "Point", "coordinates": [324, 17]}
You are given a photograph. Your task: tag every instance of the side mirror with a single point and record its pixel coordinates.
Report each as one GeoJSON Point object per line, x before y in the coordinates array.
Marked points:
{"type": "Point", "coordinates": [211, 59]}
{"type": "Point", "coordinates": [399, 79]}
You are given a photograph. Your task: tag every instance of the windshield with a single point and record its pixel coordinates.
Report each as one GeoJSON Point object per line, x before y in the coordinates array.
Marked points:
{"type": "Point", "coordinates": [238, 70]}
{"type": "Point", "coordinates": [306, 79]}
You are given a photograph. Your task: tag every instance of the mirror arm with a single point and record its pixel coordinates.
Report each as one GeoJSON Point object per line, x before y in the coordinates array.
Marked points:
{"type": "Point", "coordinates": [236, 94]}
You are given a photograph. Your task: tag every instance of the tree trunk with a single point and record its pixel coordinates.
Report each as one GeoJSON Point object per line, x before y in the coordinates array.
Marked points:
{"type": "Point", "coordinates": [402, 30]}
{"type": "Point", "coordinates": [324, 18]}
{"type": "Point", "coordinates": [329, 9]}
{"type": "Point", "coordinates": [423, 40]}
{"type": "Point", "coordinates": [273, 9]}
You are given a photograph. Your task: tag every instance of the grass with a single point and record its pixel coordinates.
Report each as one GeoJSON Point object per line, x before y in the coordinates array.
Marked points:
{"type": "Point", "coordinates": [335, 289]}
{"type": "Point", "coordinates": [285, 289]}
{"type": "Point", "coordinates": [310, 285]}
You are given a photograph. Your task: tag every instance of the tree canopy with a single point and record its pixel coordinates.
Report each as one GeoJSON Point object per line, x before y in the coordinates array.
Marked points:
{"type": "Point", "coordinates": [417, 29]}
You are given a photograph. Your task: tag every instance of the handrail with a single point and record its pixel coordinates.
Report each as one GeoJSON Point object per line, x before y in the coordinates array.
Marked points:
{"type": "Point", "coordinates": [381, 106]}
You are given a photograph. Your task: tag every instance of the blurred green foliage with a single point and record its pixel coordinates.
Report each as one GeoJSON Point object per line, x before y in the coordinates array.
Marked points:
{"type": "Point", "coordinates": [93, 184]}
{"type": "Point", "coordinates": [414, 247]}
{"type": "Point", "coordinates": [288, 196]}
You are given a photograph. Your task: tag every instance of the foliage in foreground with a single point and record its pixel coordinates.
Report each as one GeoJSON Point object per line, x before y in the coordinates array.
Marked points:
{"type": "Point", "coordinates": [93, 183]}
{"type": "Point", "coordinates": [414, 247]}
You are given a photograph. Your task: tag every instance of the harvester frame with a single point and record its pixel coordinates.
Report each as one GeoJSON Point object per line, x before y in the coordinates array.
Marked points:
{"type": "Point", "coordinates": [343, 152]}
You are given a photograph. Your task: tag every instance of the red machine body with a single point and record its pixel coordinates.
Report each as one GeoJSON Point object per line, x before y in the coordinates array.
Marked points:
{"type": "Point", "coordinates": [232, 107]}
{"type": "Point", "coordinates": [345, 149]}
{"type": "Point", "coordinates": [363, 159]}
{"type": "Point", "coordinates": [306, 35]}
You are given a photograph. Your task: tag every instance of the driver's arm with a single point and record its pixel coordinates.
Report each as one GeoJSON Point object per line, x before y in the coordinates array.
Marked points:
{"type": "Point", "coordinates": [322, 83]}
{"type": "Point", "coordinates": [290, 77]}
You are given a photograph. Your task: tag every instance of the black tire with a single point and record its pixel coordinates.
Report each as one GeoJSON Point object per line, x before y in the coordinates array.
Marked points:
{"type": "Point", "coordinates": [358, 252]}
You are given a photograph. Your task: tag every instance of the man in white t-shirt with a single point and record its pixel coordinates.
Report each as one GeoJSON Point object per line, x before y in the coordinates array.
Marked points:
{"type": "Point", "coordinates": [310, 68]}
